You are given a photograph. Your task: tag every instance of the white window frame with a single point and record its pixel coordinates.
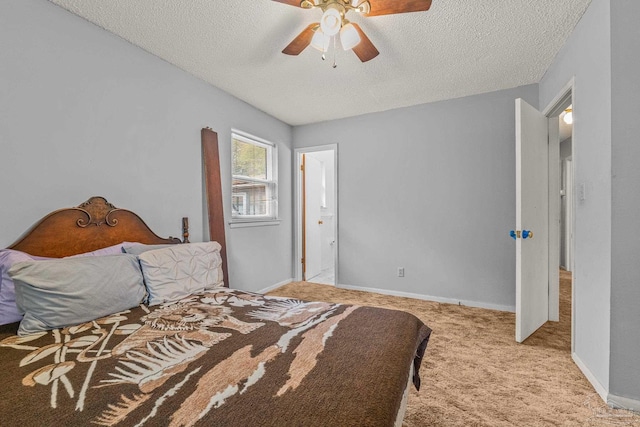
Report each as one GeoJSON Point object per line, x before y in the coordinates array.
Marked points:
{"type": "Point", "coordinates": [271, 217]}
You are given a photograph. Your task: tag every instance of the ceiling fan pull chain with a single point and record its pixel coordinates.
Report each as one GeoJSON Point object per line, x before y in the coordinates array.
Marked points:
{"type": "Point", "coordinates": [325, 48]}
{"type": "Point", "coordinates": [334, 51]}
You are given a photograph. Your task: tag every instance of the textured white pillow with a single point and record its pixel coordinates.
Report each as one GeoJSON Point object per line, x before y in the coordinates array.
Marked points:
{"type": "Point", "coordinates": [180, 270]}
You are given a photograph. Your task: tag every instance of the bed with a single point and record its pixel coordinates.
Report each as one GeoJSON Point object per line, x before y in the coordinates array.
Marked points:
{"type": "Point", "coordinates": [202, 356]}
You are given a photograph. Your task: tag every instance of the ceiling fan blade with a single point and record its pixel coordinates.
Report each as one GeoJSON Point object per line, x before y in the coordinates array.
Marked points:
{"type": "Point", "coordinates": [290, 2]}
{"type": "Point", "coordinates": [389, 7]}
{"type": "Point", "coordinates": [301, 42]}
{"type": "Point", "coordinates": [365, 50]}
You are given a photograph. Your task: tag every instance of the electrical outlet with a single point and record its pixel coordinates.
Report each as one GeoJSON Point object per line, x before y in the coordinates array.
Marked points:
{"type": "Point", "coordinates": [400, 271]}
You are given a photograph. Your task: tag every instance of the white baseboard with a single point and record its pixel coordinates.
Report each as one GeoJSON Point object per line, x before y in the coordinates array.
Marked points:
{"type": "Point", "coordinates": [276, 286]}
{"type": "Point", "coordinates": [612, 400]}
{"type": "Point", "coordinates": [600, 389]}
{"type": "Point", "coordinates": [620, 402]}
{"type": "Point", "coordinates": [509, 308]}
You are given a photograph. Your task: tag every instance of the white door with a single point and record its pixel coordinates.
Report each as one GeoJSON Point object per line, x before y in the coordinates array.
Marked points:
{"type": "Point", "coordinates": [532, 215]}
{"type": "Point", "coordinates": [312, 203]}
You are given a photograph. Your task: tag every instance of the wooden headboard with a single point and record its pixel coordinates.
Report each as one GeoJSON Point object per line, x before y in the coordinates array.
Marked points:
{"type": "Point", "coordinates": [92, 225]}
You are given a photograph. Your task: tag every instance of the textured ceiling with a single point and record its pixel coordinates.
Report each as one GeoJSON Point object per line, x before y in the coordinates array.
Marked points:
{"type": "Point", "coordinates": [457, 48]}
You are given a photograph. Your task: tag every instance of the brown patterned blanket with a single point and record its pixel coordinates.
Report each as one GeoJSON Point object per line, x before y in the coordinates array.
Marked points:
{"type": "Point", "coordinates": [223, 358]}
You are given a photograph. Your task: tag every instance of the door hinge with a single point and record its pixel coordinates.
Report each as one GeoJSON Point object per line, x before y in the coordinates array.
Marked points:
{"type": "Point", "coordinates": [302, 168]}
{"type": "Point", "coordinates": [302, 260]}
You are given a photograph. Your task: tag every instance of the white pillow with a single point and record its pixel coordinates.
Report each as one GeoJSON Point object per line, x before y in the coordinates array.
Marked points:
{"type": "Point", "coordinates": [180, 270]}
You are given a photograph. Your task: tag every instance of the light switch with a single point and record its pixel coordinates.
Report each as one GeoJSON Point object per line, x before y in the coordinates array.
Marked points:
{"type": "Point", "coordinates": [582, 192]}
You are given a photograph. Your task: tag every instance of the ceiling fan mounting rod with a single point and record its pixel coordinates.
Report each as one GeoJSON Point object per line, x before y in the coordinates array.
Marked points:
{"type": "Point", "coordinates": [342, 5]}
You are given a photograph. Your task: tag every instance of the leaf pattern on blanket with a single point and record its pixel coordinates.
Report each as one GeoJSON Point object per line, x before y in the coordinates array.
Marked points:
{"type": "Point", "coordinates": [151, 368]}
{"type": "Point", "coordinates": [48, 374]}
{"type": "Point", "coordinates": [159, 357]}
{"type": "Point", "coordinates": [18, 341]}
{"type": "Point", "coordinates": [86, 348]}
{"type": "Point", "coordinates": [119, 411]}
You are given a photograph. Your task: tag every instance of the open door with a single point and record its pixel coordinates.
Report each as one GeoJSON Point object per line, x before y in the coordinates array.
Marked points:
{"type": "Point", "coordinates": [312, 195]}
{"type": "Point", "coordinates": [532, 220]}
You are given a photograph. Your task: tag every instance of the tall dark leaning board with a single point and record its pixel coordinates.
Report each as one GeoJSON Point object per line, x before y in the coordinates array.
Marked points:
{"type": "Point", "coordinates": [213, 188]}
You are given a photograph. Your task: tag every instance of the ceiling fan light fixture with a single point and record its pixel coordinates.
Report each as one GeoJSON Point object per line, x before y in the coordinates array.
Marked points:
{"type": "Point", "coordinates": [349, 37]}
{"type": "Point", "coordinates": [331, 22]}
{"type": "Point", "coordinates": [363, 7]}
{"type": "Point", "coordinates": [320, 40]}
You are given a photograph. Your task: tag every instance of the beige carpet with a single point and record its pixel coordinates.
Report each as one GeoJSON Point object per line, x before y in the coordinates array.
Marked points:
{"type": "Point", "coordinates": [474, 373]}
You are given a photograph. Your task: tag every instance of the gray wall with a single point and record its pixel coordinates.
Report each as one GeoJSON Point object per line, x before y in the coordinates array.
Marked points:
{"type": "Point", "coordinates": [625, 278]}
{"type": "Point", "coordinates": [83, 113]}
{"type": "Point", "coordinates": [587, 56]}
{"type": "Point", "coordinates": [429, 188]}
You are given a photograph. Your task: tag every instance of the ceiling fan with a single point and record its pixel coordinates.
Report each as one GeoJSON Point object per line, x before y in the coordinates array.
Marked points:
{"type": "Point", "coordinates": [334, 24]}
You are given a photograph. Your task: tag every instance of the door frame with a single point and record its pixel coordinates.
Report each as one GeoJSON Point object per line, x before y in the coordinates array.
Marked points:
{"type": "Point", "coordinates": [298, 217]}
{"type": "Point", "coordinates": [568, 167]}
{"type": "Point", "coordinates": [552, 112]}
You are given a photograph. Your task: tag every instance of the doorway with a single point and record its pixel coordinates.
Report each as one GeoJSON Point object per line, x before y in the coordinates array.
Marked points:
{"type": "Point", "coordinates": [561, 197]}
{"type": "Point", "coordinates": [316, 214]}
{"type": "Point", "coordinates": [566, 237]}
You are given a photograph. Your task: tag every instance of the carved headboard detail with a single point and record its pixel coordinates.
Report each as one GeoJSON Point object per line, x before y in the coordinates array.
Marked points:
{"type": "Point", "coordinates": [92, 225]}
{"type": "Point", "coordinates": [97, 210]}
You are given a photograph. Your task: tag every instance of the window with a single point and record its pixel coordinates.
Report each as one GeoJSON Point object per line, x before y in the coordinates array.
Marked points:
{"type": "Point", "coordinates": [254, 192]}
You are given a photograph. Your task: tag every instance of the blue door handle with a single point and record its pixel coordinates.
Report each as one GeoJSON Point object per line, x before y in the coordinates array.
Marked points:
{"type": "Point", "coordinates": [525, 234]}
